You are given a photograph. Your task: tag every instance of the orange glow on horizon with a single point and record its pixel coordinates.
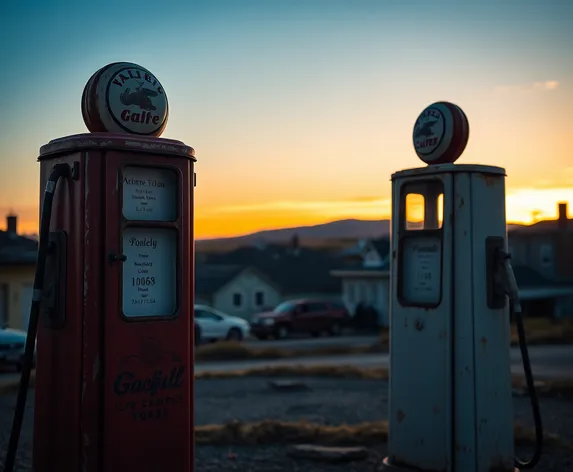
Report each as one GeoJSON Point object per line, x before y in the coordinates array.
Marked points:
{"type": "Point", "coordinates": [523, 206]}
{"type": "Point", "coordinates": [297, 118]}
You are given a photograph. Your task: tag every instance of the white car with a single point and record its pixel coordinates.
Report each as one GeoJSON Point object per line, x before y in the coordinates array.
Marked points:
{"type": "Point", "coordinates": [12, 343]}
{"type": "Point", "coordinates": [212, 325]}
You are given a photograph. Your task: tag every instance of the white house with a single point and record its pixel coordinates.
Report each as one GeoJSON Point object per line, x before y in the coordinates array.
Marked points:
{"type": "Point", "coordinates": [542, 257]}
{"type": "Point", "coordinates": [368, 281]}
{"type": "Point", "coordinates": [235, 290]}
{"type": "Point", "coordinates": [251, 279]}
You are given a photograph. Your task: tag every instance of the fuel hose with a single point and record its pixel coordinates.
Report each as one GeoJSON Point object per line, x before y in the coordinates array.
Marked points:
{"type": "Point", "coordinates": [512, 291]}
{"type": "Point", "coordinates": [59, 170]}
{"type": "Point", "coordinates": [532, 393]}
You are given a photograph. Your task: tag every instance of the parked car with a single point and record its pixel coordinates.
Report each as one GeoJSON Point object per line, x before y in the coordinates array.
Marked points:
{"type": "Point", "coordinates": [213, 325]}
{"type": "Point", "coordinates": [301, 316]}
{"type": "Point", "coordinates": [12, 346]}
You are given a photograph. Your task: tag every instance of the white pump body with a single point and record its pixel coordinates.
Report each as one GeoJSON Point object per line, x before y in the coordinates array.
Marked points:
{"type": "Point", "coordinates": [450, 385]}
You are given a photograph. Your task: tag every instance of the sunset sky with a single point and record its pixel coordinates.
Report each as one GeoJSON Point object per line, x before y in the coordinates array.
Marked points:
{"type": "Point", "coordinates": [300, 110]}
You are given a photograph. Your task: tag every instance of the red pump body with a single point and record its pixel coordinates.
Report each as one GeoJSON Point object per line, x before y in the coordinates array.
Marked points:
{"type": "Point", "coordinates": [114, 375]}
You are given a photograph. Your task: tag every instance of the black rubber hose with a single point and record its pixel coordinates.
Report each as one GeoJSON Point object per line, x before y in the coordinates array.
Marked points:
{"type": "Point", "coordinates": [60, 170]}
{"type": "Point", "coordinates": [532, 395]}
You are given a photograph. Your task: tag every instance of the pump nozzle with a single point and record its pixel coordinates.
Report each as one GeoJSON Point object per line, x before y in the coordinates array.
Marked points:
{"type": "Point", "coordinates": [509, 282]}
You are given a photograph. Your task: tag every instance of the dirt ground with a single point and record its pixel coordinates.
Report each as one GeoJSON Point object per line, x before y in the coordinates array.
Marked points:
{"type": "Point", "coordinates": [326, 401]}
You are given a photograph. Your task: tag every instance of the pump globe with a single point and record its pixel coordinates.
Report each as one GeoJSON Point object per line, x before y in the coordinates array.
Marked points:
{"type": "Point", "coordinates": [441, 133]}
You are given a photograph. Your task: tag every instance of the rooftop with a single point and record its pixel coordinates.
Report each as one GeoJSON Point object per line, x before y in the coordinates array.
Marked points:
{"type": "Point", "coordinates": [16, 249]}
{"type": "Point", "coordinates": [292, 269]}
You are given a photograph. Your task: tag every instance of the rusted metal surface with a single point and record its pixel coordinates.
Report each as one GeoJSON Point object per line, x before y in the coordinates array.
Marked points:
{"type": "Point", "coordinates": [148, 372]}
{"type": "Point", "coordinates": [58, 403]}
{"type": "Point", "coordinates": [93, 354]}
{"type": "Point", "coordinates": [442, 169]}
{"type": "Point", "coordinates": [79, 424]}
{"type": "Point", "coordinates": [109, 142]}
{"type": "Point", "coordinates": [489, 179]}
{"type": "Point", "coordinates": [419, 424]}
{"type": "Point", "coordinates": [492, 376]}
{"type": "Point", "coordinates": [464, 420]}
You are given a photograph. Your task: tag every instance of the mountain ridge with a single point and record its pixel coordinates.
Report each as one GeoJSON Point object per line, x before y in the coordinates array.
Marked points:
{"type": "Point", "coordinates": [340, 229]}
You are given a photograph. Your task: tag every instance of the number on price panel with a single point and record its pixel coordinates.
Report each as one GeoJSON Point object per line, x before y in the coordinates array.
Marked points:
{"type": "Point", "coordinates": [142, 281]}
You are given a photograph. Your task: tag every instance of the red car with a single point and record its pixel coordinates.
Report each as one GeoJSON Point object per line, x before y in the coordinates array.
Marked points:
{"type": "Point", "coordinates": [301, 316]}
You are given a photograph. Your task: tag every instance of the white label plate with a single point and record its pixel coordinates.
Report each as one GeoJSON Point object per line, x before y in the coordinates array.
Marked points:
{"type": "Point", "coordinates": [422, 270]}
{"type": "Point", "coordinates": [149, 194]}
{"type": "Point", "coordinates": [150, 272]}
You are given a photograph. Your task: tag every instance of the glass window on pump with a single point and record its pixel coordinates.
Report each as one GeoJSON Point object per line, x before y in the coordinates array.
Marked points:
{"type": "Point", "coordinates": [421, 250]}
{"type": "Point", "coordinates": [149, 272]}
{"type": "Point", "coordinates": [149, 194]}
{"type": "Point", "coordinates": [423, 205]}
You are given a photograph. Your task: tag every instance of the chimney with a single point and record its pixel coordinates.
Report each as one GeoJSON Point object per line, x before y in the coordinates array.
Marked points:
{"type": "Point", "coordinates": [563, 247]}
{"type": "Point", "coordinates": [12, 224]}
{"type": "Point", "coordinates": [562, 219]}
{"type": "Point", "coordinates": [295, 245]}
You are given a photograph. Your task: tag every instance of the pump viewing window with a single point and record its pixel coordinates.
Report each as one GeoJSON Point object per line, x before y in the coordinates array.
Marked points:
{"type": "Point", "coordinates": [424, 206]}
{"type": "Point", "coordinates": [149, 194]}
{"type": "Point", "coordinates": [420, 249]}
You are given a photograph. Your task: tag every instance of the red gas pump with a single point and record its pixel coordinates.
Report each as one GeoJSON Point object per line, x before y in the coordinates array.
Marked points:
{"type": "Point", "coordinates": [113, 307]}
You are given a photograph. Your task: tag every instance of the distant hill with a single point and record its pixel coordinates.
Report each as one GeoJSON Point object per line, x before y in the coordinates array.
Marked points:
{"type": "Point", "coordinates": [336, 233]}
{"type": "Point", "coordinates": [343, 229]}
{"type": "Point", "coordinates": [317, 235]}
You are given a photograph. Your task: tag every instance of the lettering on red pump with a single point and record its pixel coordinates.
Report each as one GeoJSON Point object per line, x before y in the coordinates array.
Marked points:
{"type": "Point", "coordinates": [150, 383]}
{"type": "Point", "coordinates": [128, 382]}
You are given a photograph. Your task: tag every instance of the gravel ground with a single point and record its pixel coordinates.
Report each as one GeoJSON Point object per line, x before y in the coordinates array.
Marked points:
{"type": "Point", "coordinates": [328, 401]}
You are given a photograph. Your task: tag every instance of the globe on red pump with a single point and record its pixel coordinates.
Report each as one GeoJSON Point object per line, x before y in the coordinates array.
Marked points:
{"type": "Point", "coordinates": [125, 98]}
{"type": "Point", "coordinates": [441, 133]}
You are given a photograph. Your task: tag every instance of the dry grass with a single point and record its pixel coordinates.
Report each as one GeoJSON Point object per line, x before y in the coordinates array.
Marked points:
{"type": "Point", "coordinates": [226, 350]}
{"type": "Point", "coordinates": [339, 372]}
{"type": "Point", "coordinates": [270, 431]}
{"type": "Point", "coordinates": [545, 331]}
{"type": "Point", "coordinates": [231, 351]}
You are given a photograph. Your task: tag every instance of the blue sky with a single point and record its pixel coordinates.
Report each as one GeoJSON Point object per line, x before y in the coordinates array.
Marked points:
{"type": "Point", "coordinates": [257, 83]}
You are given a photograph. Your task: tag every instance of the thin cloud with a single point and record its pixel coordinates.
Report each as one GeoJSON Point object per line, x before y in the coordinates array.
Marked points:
{"type": "Point", "coordinates": [546, 86]}
{"type": "Point", "coordinates": [365, 199]}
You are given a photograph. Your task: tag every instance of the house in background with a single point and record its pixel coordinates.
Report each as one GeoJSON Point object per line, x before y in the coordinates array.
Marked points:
{"type": "Point", "coordinates": [257, 278]}
{"type": "Point", "coordinates": [234, 289]}
{"type": "Point", "coordinates": [248, 280]}
{"type": "Point", "coordinates": [542, 258]}
{"type": "Point", "coordinates": [17, 266]}
{"type": "Point", "coordinates": [368, 252]}
{"type": "Point", "coordinates": [366, 282]}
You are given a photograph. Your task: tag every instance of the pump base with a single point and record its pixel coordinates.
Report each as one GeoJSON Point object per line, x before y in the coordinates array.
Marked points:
{"type": "Point", "coordinates": [385, 466]}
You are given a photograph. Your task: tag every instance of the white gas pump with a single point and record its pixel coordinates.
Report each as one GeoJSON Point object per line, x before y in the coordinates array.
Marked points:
{"type": "Point", "coordinates": [450, 384]}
